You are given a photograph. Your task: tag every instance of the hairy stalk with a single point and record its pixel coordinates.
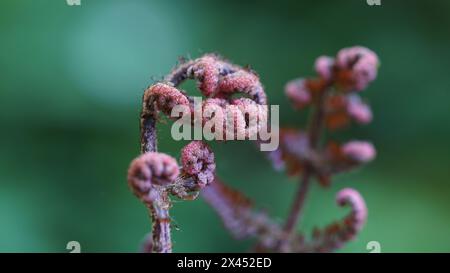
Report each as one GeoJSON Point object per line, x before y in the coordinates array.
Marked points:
{"type": "Point", "coordinates": [148, 133]}
{"type": "Point", "coordinates": [159, 208]}
{"type": "Point", "coordinates": [159, 212]}
{"type": "Point", "coordinates": [315, 130]}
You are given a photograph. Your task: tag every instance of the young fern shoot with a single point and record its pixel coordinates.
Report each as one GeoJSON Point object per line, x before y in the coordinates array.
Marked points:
{"type": "Point", "coordinates": [153, 177]}
{"type": "Point", "coordinates": [305, 154]}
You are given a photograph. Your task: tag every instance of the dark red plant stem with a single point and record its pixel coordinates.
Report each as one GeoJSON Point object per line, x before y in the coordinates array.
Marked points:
{"type": "Point", "coordinates": [315, 131]}
{"type": "Point", "coordinates": [161, 237]}
{"type": "Point", "coordinates": [317, 121]}
{"type": "Point", "coordinates": [297, 205]}
{"type": "Point", "coordinates": [159, 208]}
{"type": "Point", "coordinates": [148, 134]}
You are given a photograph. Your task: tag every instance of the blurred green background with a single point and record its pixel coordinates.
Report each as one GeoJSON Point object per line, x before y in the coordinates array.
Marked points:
{"type": "Point", "coordinates": [71, 80]}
